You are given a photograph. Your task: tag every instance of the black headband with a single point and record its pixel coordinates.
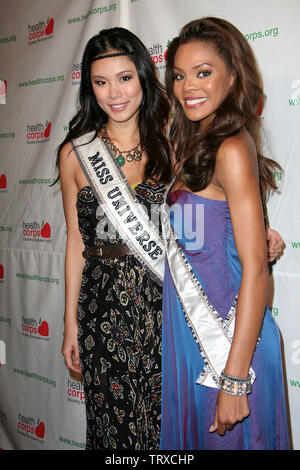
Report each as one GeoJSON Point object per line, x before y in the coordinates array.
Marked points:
{"type": "Point", "coordinates": [115, 54]}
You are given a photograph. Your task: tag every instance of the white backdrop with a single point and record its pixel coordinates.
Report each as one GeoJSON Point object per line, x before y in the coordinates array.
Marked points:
{"type": "Point", "coordinates": [41, 46]}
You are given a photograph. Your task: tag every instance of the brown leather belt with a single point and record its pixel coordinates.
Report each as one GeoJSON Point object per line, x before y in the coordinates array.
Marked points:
{"type": "Point", "coordinates": [109, 251]}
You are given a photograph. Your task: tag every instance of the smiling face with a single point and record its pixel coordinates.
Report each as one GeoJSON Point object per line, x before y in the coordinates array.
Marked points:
{"type": "Point", "coordinates": [201, 81]}
{"type": "Point", "coordinates": [117, 87]}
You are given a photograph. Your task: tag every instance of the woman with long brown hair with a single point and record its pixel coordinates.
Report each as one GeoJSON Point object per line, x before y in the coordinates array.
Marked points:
{"type": "Point", "coordinates": [114, 160]}
{"type": "Point", "coordinates": [222, 372]}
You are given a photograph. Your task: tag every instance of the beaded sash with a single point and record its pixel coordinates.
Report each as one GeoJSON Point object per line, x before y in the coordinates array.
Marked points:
{"type": "Point", "coordinates": [212, 334]}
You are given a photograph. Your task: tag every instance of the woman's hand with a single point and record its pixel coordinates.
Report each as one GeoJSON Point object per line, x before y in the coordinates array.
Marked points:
{"type": "Point", "coordinates": [275, 243]}
{"type": "Point", "coordinates": [229, 411]}
{"type": "Point", "coordinates": [70, 349]}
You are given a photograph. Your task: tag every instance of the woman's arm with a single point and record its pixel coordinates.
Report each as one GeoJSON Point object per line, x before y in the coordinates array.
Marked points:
{"type": "Point", "coordinates": [237, 173]}
{"type": "Point", "coordinates": [74, 261]}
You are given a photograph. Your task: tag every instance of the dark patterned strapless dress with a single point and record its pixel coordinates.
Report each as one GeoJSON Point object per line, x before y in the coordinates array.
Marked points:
{"type": "Point", "coordinates": [119, 319]}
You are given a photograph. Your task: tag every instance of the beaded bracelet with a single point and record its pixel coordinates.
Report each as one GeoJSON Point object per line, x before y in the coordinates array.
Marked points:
{"type": "Point", "coordinates": [234, 385]}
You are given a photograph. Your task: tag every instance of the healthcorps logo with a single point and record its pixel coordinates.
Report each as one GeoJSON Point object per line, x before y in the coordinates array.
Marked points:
{"type": "Point", "coordinates": [3, 91]}
{"type": "Point", "coordinates": [75, 392]}
{"type": "Point", "coordinates": [1, 273]}
{"type": "Point", "coordinates": [39, 132]}
{"type": "Point", "coordinates": [3, 183]}
{"type": "Point", "coordinates": [76, 73]}
{"type": "Point", "coordinates": [36, 231]}
{"type": "Point", "coordinates": [32, 328]}
{"type": "Point", "coordinates": [30, 427]}
{"type": "Point", "coordinates": [2, 353]}
{"type": "Point", "coordinates": [40, 31]}
{"type": "Point", "coordinates": [158, 54]}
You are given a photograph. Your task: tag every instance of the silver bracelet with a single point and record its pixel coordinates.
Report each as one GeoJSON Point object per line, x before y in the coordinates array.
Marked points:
{"type": "Point", "coordinates": [234, 385]}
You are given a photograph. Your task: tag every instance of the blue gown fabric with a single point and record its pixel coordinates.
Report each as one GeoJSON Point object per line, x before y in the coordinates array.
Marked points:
{"type": "Point", "coordinates": [188, 408]}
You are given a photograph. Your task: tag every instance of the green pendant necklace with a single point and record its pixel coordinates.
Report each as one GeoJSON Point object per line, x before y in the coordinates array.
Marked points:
{"type": "Point", "coordinates": [134, 154]}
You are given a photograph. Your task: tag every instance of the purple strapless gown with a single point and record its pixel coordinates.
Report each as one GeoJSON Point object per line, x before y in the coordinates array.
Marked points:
{"type": "Point", "coordinates": [188, 408]}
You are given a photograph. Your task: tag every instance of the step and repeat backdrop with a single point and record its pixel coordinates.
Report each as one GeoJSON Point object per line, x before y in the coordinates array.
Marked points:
{"type": "Point", "coordinates": [41, 46]}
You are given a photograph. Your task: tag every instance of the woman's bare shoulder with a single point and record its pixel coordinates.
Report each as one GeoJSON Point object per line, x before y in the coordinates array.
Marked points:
{"type": "Point", "coordinates": [236, 160]}
{"type": "Point", "coordinates": [67, 159]}
{"type": "Point", "coordinates": [66, 152]}
{"type": "Point", "coordinates": [237, 147]}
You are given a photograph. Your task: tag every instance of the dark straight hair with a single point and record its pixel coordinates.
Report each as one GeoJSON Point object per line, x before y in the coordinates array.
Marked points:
{"type": "Point", "coordinates": [154, 110]}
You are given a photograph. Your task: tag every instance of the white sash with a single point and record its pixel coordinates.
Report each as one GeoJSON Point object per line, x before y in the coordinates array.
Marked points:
{"type": "Point", "coordinates": [212, 334]}
{"type": "Point", "coordinates": [120, 204]}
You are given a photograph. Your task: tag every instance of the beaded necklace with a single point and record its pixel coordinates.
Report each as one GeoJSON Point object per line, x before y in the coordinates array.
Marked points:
{"type": "Point", "coordinates": [134, 154]}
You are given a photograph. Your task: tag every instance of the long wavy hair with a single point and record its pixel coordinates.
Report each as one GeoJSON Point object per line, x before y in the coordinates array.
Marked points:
{"type": "Point", "coordinates": [241, 108]}
{"type": "Point", "coordinates": [154, 110]}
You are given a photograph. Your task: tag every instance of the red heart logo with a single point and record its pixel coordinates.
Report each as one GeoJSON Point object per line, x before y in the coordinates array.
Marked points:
{"type": "Point", "coordinates": [2, 181]}
{"type": "Point", "coordinates": [49, 27]}
{"type": "Point", "coordinates": [40, 430]}
{"type": "Point", "coordinates": [46, 231]}
{"type": "Point", "coordinates": [47, 130]}
{"type": "Point", "coordinates": [43, 329]}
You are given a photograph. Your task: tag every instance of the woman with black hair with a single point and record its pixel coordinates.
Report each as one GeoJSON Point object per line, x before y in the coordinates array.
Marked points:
{"type": "Point", "coordinates": [115, 156]}
{"type": "Point", "coordinates": [114, 165]}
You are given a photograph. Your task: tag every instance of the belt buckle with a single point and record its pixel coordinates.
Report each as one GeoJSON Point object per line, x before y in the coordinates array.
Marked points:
{"type": "Point", "coordinates": [99, 251]}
